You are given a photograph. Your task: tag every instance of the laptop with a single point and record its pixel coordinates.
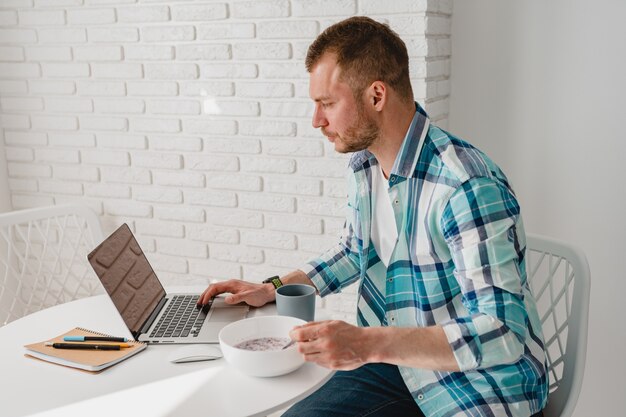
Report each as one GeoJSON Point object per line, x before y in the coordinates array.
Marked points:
{"type": "Point", "coordinates": [152, 315]}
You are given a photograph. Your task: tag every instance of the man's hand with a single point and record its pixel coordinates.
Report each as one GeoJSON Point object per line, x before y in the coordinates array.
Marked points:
{"type": "Point", "coordinates": [333, 344]}
{"type": "Point", "coordinates": [250, 293]}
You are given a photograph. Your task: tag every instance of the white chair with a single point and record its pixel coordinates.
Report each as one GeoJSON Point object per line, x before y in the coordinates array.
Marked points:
{"type": "Point", "coordinates": [43, 258]}
{"type": "Point", "coordinates": [560, 280]}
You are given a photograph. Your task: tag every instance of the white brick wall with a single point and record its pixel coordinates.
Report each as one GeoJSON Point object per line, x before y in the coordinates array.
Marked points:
{"type": "Point", "coordinates": [190, 121]}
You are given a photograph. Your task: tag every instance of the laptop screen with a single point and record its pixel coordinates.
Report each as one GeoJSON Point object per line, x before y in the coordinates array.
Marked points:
{"type": "Point", "coordinates": [127, 276]}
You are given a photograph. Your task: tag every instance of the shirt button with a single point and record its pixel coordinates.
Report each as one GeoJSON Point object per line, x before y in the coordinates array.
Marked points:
{"type": "Point", "coordinates": [420, 396]}
{"type": "Point", "coordinates": [396, 202]}
{"type": "Point", "coordinates": [390, 279]}
{"type": "Point", "coordinates": [393, 319]}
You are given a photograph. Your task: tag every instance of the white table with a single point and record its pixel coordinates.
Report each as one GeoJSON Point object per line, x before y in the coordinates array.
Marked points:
{"type": "Point", "coordinates": [145, 385]}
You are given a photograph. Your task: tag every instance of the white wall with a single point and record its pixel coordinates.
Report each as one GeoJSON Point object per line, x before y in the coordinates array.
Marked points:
{"type": "Point", "coordinates": [5, 198]}
{"type": "Point", "coordinates": [191, 121]}
{"type": "Point", "coordinates": [541, 87]}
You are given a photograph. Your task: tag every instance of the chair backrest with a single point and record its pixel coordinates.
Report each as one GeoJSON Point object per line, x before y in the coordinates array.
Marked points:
{"type": "Point", "coordinates": [43, 258]}
{"type": "Point", "coordinates": [560, 280]}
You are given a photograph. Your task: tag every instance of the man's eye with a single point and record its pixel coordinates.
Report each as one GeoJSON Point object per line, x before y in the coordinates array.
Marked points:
{"type": "Point", "coordinates": [326, 105]}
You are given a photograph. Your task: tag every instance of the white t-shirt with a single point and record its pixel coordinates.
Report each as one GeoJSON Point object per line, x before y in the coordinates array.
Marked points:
{"type": "Point", "coordinates": [384, 231]}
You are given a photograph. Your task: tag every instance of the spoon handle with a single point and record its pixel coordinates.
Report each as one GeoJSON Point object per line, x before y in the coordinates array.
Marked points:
{"type": "Point", "coordinates": [288, 344]}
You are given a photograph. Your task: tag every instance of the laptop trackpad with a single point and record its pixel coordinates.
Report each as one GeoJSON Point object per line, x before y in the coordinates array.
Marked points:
{"type": "Point", "coordinates": [228, 314]}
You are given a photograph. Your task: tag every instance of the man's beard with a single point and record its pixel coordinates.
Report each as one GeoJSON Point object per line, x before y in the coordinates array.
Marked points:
{"type": "Point", "coordinates": [359, 136]}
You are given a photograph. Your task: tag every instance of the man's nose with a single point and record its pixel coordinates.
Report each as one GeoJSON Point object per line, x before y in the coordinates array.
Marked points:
{"type": "Point", "coordinates": [319, 120]}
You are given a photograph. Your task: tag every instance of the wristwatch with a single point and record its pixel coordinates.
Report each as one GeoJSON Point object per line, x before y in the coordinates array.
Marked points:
{"type": "Point", "coordinates": [275, 281]}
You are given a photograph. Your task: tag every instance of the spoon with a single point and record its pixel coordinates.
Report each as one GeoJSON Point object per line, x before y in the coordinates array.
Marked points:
{"type": "Point", "coordinates": [291, 342]}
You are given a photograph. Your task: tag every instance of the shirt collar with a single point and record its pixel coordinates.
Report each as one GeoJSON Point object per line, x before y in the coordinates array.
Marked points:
{"type": "Point", "coordinates": [405, 162]}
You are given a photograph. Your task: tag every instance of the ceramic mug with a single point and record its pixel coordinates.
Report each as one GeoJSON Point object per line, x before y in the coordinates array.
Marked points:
{"type": "Point", "coordinates": [296, 300]}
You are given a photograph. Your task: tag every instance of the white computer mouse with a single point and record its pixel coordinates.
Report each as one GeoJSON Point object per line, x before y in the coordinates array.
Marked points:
{"type": "Point", "coordinates": [195, 353]}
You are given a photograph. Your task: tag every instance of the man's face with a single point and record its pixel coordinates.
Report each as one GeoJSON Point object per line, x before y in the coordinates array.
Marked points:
{"type": "Point", "coordinates": [342, 119]}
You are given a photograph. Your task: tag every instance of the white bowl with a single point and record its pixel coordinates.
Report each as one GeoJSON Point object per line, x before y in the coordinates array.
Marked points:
{"type": "Point", "coordinates": [261, 362]}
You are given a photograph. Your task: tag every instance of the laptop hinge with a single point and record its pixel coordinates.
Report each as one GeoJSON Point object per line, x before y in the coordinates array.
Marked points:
{"type": "Point", "coordinates": [151, 318]}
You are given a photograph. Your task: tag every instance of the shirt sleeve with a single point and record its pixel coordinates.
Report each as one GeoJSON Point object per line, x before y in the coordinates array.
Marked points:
{"type": "Point", "coordinates": [339, 266]}
{"type": "Point", "coordinates": [481, 224]}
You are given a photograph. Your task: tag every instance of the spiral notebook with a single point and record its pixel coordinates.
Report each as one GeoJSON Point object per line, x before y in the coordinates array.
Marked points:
{"type": "Point", "coordinates": [88, 360]}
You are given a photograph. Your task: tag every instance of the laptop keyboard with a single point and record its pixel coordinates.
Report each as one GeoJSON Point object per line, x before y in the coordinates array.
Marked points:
{"type": "Point", "coordinates": [181, 318]}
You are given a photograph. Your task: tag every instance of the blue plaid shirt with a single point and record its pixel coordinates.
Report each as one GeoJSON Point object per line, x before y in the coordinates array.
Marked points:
{"type": "Point", "coordinates": [458, 263]}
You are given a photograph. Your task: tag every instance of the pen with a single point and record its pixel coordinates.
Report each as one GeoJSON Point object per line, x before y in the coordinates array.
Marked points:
{"type": "Point", "coordinates": [86, 346]}
{"type": "Point", "coordinates": [94, 338]}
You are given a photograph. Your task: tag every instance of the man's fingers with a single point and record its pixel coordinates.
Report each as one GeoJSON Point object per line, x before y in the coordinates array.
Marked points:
{"type": "Point", "coordinates": [308, 331]}
{"type": "Point", "coordinates": [313, 357]}
{"type": "Point", "coordinates": [310, 347]}
{"type": "Point", "coordinates": [207, 295]}
{"type": "Point", "coordinates": [308, 324]}
{"type": "Point", "coordinates": [200, 301]}
{"type": "Point", "coordinates": [213, 290]}
{"type": "Point", "coordinates": [236, 298]}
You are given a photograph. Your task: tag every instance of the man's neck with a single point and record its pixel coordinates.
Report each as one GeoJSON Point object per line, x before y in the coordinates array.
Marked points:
{"type": "Point", "coordinates": [393, 129]}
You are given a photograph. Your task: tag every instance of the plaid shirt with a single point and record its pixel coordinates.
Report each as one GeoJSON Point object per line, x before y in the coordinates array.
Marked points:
{"type": "Point", "coordinates": [458, 263]}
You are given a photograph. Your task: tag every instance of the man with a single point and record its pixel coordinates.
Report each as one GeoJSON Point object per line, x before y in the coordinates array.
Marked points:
{"type": "Point", "coordinates": [447, 325]}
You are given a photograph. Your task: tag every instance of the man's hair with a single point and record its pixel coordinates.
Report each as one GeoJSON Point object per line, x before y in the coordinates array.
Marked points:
{"type": "Point", "coordinates": [366, 51]}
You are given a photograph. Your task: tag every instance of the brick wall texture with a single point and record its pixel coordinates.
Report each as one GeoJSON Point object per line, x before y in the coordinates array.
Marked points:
{"type": "Point", "coordinates": [191, 122]}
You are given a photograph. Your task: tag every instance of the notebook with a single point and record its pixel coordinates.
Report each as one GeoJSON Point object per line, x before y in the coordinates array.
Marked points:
{"type": "Point", "coordinates": [152, 315]}
{"type": "Point", "coordinates": [89, 360]}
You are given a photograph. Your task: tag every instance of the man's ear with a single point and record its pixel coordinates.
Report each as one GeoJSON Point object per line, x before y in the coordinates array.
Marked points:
{"type": "Point", "coordinates": [377, 95]}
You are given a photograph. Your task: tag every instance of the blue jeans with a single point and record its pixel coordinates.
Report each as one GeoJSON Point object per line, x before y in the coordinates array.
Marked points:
{"type": "Point", "coordinates": [372, 390]}
{"type": "Point", "coordinates": [375, 389]}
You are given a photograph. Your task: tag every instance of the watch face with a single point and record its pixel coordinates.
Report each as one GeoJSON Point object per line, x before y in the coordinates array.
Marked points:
{"type": "Point", "coordinates": [275, 281]}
